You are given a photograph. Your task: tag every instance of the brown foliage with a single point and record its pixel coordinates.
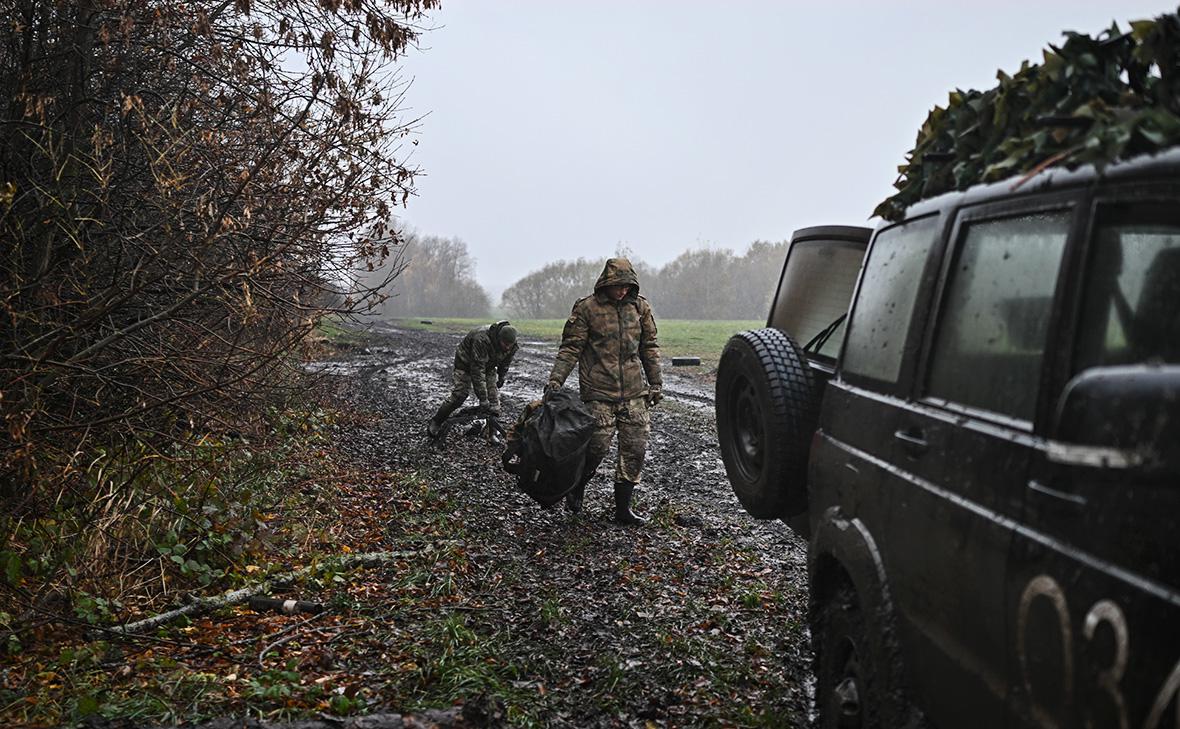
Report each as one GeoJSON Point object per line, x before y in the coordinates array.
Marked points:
{"type": "Point", "coordinates": [185, 189]}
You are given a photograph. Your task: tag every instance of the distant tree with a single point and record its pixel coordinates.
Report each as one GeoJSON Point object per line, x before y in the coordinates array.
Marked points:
{"type": "Point", "coordinates": [551, 291]}
{"type": "Point", "coordinates": [697, 284]}
{"type": "Point", "coordinates": [432, 276]}
{"type": "Point", "coordinates": [704, 283]}
{"type": "Point", "coordinates": [757, 273]}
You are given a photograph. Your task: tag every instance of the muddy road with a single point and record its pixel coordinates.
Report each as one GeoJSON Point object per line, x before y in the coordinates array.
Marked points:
{"type": "Point", "coordinates": [697, 618]}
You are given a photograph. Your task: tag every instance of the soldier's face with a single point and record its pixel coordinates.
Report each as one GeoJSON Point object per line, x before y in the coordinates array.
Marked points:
{"type": "Point", "coordinates": [616, 292]}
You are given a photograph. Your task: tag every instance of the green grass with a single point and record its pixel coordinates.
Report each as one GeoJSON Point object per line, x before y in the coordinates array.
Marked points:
{"type": "Point", "coordinates": [678, 337]}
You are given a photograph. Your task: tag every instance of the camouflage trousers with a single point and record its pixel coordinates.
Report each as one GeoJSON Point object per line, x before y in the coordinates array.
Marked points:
{"type": "Point", "coordinates": [461, 387]}
{"type": "Point", "coordinates": [633, 422]}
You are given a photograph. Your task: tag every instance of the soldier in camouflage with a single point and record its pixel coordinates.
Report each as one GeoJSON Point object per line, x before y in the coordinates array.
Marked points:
{"type": "Point", "coordinates": [611, 337]}
{"type": "Point", "coordinates": [481, 364]}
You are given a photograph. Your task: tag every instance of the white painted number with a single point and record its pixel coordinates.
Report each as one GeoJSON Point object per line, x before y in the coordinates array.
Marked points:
{"type": "Point", "coordinates": [1165, 697]}
{"type": "Point", "coordinates": [1105, 611]}
{"type": "Point", "coordinates": [1109, 678]}
{"type": "Point", "coordinates": [1044, 586]}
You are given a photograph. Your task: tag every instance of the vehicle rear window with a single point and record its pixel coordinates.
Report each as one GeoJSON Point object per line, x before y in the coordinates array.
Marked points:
{"type": "Point", "coordinates": [1131, 311]}
{"type": "Point", "coordinates": [885, 302]}
{"type": "Point", "coordinates": [995, 318]}
{"type": "Point", "coordinates": [815, 291]}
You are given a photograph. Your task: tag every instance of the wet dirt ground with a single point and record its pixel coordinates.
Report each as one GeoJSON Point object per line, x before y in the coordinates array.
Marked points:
{"type": "Point", "coordinates": [697, 618]}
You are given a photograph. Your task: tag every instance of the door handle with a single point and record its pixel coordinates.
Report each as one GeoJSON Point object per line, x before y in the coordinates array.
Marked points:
{"type": "Point", "coordinates": [913, 441]}
{"type": "Point", "coordinates": [1040, 488]}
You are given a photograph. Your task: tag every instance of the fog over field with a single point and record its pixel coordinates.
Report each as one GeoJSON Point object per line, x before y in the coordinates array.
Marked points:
{"type": "Point", "coordinates": [560, 130]}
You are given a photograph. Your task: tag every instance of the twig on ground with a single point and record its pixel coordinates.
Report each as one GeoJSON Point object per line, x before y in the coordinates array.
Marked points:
{"type": "Point", "coordinates": [234, 597]}
{"type": "Point", "coordinates": [277, 633]}
{"type": "Point", "coordinates": [275, 644]}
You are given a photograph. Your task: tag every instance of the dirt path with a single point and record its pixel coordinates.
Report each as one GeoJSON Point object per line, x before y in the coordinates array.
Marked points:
{"type": "Point", "coordinates": [698, 618]}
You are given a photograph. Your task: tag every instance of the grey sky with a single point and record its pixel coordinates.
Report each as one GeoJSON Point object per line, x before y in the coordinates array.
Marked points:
{"type": "Point", "coordinates": [559, 129]}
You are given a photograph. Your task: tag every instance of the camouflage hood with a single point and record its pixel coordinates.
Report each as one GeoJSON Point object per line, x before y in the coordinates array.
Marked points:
{"type": "Point", "coordinates": [618, 272]}
{"type": "Point", "coordinates": [612, 343]}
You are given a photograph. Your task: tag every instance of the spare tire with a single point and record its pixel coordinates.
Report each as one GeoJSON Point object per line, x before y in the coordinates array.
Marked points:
{"type": "Point", "coordinates": [767, 411]}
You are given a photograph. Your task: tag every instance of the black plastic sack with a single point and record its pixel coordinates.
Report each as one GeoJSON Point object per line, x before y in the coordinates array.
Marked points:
{"type": "Point", "coordinates": [546, 448]}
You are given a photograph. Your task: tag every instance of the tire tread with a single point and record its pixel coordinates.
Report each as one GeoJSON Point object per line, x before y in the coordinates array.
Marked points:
{"type": "Point", "coordinates": [792, 416]}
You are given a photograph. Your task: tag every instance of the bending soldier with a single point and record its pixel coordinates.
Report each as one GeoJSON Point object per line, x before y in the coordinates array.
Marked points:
{"type": "Point", "coordinates": [481, 364]}
{"type": "Point", "coordinates": [611, 336]}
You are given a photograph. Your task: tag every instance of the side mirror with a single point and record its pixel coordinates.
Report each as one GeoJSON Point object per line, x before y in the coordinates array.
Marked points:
{"type": "Point", "coordinates": [1120, 418]}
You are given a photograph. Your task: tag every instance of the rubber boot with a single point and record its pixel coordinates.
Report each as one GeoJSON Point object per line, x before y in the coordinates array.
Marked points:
{"type": "Point", "coordinates": [624, 490]}
{"type": "Point", "coordinates": [435, 424]}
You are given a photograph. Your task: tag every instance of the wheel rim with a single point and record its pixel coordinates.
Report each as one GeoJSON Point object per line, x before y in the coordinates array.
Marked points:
{"type": "Point", "coordinates": [746, 419]}
{"type": "Point", "coordinates": [846, 697]}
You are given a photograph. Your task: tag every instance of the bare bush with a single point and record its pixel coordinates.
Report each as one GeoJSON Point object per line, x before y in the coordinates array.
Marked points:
{"type": "Point", "coordinates": [185, 189]}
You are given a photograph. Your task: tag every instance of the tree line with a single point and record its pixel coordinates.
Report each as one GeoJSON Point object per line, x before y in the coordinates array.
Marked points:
{"type": "Point", "coordinates": [436, 277]}
{"type": "Point", "coordinates": [427, 276]}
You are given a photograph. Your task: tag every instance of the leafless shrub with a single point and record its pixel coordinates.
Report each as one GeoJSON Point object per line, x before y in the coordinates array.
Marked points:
{"type": "Point", "coordinates": [185, 190]}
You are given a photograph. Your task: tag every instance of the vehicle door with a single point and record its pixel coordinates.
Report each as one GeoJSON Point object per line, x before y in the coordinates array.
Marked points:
{"type": "Point", "coordinates": [853, 475]}
{"type": "Point", "coordinates": [961, 447]}
{"type": "Point", "coordinates": [1095, 580]}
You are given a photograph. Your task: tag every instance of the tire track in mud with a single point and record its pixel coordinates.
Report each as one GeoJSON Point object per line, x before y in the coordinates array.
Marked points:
{"type": "Point", "coordinates": [670, 620]}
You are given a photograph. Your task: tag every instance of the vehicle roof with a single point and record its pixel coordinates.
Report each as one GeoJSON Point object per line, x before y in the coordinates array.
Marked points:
{"type": "Point", "coordinates": [1165, 165]}
{"type": "Point", "coordinates": [854, 233]}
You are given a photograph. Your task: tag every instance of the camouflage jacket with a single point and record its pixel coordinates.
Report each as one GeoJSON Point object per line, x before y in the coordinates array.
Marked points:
{"type": "Point", "coordinates": [479, 354]}
{"type": "Point", "coordinates": [613, 342]}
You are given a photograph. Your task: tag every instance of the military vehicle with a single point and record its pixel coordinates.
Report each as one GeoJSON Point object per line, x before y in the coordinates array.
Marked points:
{"type": "Point", "coordinates": [981, 446]}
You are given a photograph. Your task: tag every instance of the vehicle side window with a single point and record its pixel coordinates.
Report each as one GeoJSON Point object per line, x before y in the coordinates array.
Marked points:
{"type": "Point", "coordinates": [994, 321]}
{"type": "Point", "coordinates": [885, 301]}
{"type": "Point", "coordinates": [1131, 309]}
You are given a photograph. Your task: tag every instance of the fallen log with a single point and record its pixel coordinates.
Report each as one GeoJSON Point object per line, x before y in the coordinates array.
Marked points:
{"type": "Point", "coordinates": [234, 597]}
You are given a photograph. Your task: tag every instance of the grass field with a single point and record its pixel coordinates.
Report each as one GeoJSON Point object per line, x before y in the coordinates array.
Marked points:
{"type": "Point", "coordinates": [678, 337]}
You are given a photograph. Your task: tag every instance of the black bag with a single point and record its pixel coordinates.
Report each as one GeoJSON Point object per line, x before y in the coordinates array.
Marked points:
{"type": "Point", "coordinates": [546, 448]}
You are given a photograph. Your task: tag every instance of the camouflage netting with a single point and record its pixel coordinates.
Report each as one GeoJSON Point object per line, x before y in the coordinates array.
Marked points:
{"type": "Point", "coordinates": [1091, 101]}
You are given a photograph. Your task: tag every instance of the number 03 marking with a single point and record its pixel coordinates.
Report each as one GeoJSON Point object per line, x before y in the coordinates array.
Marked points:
{"type": "Point", "coordinates": [1109, 678]}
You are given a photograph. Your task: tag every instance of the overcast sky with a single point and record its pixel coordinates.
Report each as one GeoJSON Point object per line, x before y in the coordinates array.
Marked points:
{"type": "Point", "coordinates": [560, 129]}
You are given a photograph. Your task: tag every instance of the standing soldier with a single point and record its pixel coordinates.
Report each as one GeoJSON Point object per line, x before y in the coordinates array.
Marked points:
{"type": "Point", "coordinates": [611, 336]}
{"type": "Point", "coordinates": [481, 364]}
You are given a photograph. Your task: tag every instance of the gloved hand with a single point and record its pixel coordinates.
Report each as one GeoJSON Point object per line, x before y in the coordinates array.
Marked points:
{"type": "Point", "coordinates": [551, 387]}
{"type": "Point", "coordinates": [654, 395]}
{"type": "Point", "coordinates": [500, 380]}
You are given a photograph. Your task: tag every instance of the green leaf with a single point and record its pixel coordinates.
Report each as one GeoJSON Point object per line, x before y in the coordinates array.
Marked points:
{"type": "Point", "coordinates": [10, 562]}
{"type": "Point", "coordinates": [87, 706]}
